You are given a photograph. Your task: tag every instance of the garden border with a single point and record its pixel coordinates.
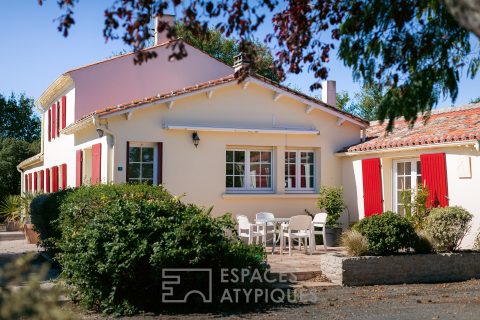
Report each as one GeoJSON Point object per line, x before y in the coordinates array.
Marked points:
{"type": "Point", "coordinates": [399, 269]}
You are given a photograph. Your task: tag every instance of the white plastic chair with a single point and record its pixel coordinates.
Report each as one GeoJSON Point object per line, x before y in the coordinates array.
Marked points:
{"type": "Point", "coordinates": [299, 227]}
{"type": "Point", "coordinates": [247, 229]}
{"type": "Point", "coordinates": [319, 221]}
{"type": "Point", "coordinates": [270, 226]}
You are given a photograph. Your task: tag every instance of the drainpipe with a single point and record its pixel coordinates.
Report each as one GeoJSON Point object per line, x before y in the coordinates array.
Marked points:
{"type": "Point", "coordinates": [21, 180]}
{"type": "Point", "coordinates": [101, 130]}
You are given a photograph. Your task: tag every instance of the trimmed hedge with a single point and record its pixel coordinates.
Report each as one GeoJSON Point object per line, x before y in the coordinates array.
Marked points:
{"type": "Point", "coordinates": [116, 239]}
{"type": "Point", "coordinates": [387, 233]}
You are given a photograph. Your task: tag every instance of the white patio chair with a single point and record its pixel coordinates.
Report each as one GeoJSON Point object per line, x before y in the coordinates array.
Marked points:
{"type": "Point", "coordinates": [247, 229]}
{"type": "Point", "coordinates": [299, 227]}
{"type": "Point", "coordinates": [319, 221]}
{"type": "Point", "coordinates": [270, 226]}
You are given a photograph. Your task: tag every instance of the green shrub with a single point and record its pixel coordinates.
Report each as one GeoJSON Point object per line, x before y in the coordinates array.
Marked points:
{"type": "Point", "coordinates": [355, 243]}
{"type": "Point", "coordinates": [387, 233]}
{"type": "Point", "coordinates": [331, 200]}
{"type": "Point", "coordinates": [446, 227]}
{"type": "Point", "coordinates": [424, 244]}
{"type": "Point", "coordinates": [44, 212]}
{"type": "Point", "coordinates": [116, 239]}
{"type": "Point", "coordinates": [476, 242]}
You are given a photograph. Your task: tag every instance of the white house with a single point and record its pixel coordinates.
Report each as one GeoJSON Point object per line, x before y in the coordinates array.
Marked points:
{"type": "Point", "coordinates": [241, 147]}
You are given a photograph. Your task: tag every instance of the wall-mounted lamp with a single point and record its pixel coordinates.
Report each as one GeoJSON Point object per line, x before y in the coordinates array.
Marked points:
{"type": "Point", "coordinates": [196, 139]}
{"type": "Point", "coordinates": [100, 132]}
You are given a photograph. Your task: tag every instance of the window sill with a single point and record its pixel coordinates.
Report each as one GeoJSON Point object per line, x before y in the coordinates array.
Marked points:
{"type": "Point", "coordinates": [240, 196]}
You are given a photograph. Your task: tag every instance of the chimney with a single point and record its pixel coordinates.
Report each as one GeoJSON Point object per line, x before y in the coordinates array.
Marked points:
{"type": "Point", "coordinates": [329, 92]}
{"type": "Point", "coordinates": [239, 62]}
{"type": "Point", "coordinates": [161, 37]}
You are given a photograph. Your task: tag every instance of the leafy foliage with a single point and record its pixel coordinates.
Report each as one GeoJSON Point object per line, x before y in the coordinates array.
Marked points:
{"type": "Point", "coordinates": [18, 119]}
{"type": "Point", "coordinates": [12, 152]}
{"type": "Point", "coordinates": [416, 211]}
{"type": "Point", "coordinates": [331, 200]}
{"type": "Point", "coordinates": [423, 244]}
{"type": "Point", "coordinates": [366, 103]}
{"type": "Point", "coordinates": [387, 233]}
{"type": "Point", "coordinates": [10, 208]}
{"type": "Point", "coordinates": [415, 50]}
{"type": "Point", "coordinates": [116, 239]}
{"type": "Point", "coordinates": [447, 227]}
{"type": "Point", "coordinates": [476, 100]}
{"type": "Point", "coordinates": [342, 100]}
{"type": "Point", "coordinates": [22, 297]}
{"type": "Point", "coordinates": [355, 243]}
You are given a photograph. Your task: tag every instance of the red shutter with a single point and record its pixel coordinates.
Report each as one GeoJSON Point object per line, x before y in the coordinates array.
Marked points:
{"type": "Point", "coordinates": [30, 184]}
{"type": "Point", "coordinates": [96, 163]}
{"type": "Point", "coordinates": [434, 177]}
{"type": "Point", "coordinates": [64, 176]}
{"type": "Point", "coordinates": [47, 180]}
{"type": "Point", "coordinates": [54, 121]}
{"type": "Point", "coordinates": [49, 124]}
{"type": "Point", "coordinates": [26, 183]}
{"type": "Point", "coordinates": [58, 120]}
{"type": "Point", "coordinates": [372, 186]}
{"type": "Point", "coordinates": [160, 163]}
{"type": "Point", "coordinates": [54, 179]}
{"type": "Point", "coordinates": [35, 181]}
{"type": "Point", "coordinates": [79, 167]}
{"type": "Point", "coordinates": [64, 112]}
{"type": "Point", "coordinates": [42, 179]}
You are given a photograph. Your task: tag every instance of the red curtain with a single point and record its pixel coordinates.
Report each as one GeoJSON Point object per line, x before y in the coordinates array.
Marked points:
{"type": "Point", "coordinates": [434, 177]}
{"type": "Point", "coordinates": [96, 163]}
{"type": "Point", "coordinates": [372, 186]}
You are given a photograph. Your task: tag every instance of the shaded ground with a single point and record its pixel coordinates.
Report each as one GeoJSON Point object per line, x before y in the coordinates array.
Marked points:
{"type": "Point", "coordinates": [423, 301]}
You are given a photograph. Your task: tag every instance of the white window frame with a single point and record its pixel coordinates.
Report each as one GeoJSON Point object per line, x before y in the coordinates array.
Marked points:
{"type": "Point", "coordinates": [246, 173]}
{"type": "Point", "coordinates": [414, 175]}
{"type": "Point", "coordinates": [155, 157]}
{"type": "Point", "coordinates": [298, 188]}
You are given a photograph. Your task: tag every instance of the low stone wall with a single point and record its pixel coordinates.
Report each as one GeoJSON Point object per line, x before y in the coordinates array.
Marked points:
{"type": "Point", "coordinates": [415, 268]}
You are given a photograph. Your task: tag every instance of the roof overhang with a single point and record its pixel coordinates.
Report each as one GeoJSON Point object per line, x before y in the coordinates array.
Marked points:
{"type": "Point", "coordinates": [36, 159]}
{"type": "Point", "coordinates": [465, 143]}
{"type": "Point", "coordinates": [59, 85]}
{"type": "Point", "coordinates": [225, 129]}
{"type": "Point", "coordinates": [81, 124]}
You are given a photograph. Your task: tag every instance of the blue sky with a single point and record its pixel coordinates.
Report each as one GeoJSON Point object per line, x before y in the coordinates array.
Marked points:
{"type": "Point", "coordinates": [34, 53]}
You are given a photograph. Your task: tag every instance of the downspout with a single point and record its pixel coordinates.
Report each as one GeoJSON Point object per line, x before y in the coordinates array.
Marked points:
{"type": "Point", "coordinates": [21, 180]}
{"type": "Point", "coordinates": [110, 143]}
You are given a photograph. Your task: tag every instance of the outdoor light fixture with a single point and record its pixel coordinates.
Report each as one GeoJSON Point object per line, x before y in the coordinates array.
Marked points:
{"type": "Point", "coordinates": [196, 139]}
{"type": "Point", "coordinates": [100, 132]}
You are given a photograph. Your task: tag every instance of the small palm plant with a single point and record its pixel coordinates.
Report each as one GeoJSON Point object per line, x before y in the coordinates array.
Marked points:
{"type": "Point", "coordinates": [11, 208]}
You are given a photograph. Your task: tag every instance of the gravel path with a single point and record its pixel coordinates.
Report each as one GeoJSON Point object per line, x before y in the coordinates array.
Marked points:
{"type": "Point", "coordinates": [420, 301]}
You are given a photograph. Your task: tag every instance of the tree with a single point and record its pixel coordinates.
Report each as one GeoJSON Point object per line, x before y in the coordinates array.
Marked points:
{"type": "Point", "coordinates": [366, 103]}
{"type": "Point", "coordinates": [12, 152]}
{"type": "Point", "coordinates": [476, 100]}
{"type": "Point", "coordinates": [414, 49]}
{"type": "Point", "coordinates": [18, 119]}
{"type": "Point", "coordinates": [342, 100]}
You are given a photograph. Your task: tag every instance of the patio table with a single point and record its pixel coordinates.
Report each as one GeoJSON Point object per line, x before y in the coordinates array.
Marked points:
{"type": "Point", "coordinates": [275, 222]}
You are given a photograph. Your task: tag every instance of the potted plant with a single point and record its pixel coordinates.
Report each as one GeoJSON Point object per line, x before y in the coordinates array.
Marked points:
{"type": "Point", "coordinates": [10, 210]}
{"type": "Point", "coordinates": [331, 201]}
{"type": "Point", "coordinates": [31, 235]}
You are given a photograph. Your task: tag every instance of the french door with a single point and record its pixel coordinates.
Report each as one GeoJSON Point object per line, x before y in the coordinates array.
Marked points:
{"type": "Point", "coordinates": [407, 176]}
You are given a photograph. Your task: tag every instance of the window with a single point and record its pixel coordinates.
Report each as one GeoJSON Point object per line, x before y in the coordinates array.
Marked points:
{"type": "Point", "coordinates": [299, 170]}
{"type": "Point", "coordinates": [248, 170]}
{"type": "Point", "coordinates": [141, 160]}
{"type": "Point", "coordinates": [407, 176]}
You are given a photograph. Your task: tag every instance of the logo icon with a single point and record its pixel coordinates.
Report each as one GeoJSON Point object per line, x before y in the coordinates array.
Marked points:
{"type": "Point", "coordinates": [174, 290]}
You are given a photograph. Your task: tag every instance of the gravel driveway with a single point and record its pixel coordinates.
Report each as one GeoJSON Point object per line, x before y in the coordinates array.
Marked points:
{"type": "Point", "coordinates": [423, 301]}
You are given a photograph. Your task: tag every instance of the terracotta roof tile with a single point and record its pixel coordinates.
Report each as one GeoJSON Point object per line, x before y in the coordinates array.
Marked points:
{"type": "Point", "coordinates": [444, 125]}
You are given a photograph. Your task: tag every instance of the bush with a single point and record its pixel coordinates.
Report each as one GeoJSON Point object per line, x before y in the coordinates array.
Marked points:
{"type": "Point", "coordinates": [354, 242]}
{"type": "Point", "coordinates": [476, 242]}
{"type": "Point", "coordinates": [331, 200]}
{"type": "Point", "coordinates": [446, 227]}
{"type": "Point", "coordinates": [116, 239]}
{"type": "Point", "coordinates": [424, 244]}
{"type": "Point", "coordinates": [387, 233]}
{"type": "Point", "coordinates": [44, 212]}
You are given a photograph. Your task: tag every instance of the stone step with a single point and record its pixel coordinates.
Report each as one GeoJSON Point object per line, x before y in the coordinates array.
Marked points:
{"type": "Point", "coordinates": [11, 235]}
{"type": "Point", "coordinates": [296, 275]}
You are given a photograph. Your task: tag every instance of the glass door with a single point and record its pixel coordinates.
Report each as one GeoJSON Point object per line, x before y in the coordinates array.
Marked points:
{"type": "Point", "coordinates": [407, 175]}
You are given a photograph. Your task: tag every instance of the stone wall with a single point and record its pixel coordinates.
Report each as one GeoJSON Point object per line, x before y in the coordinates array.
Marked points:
{"type": "Point", "coordinates": [418, 268]}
